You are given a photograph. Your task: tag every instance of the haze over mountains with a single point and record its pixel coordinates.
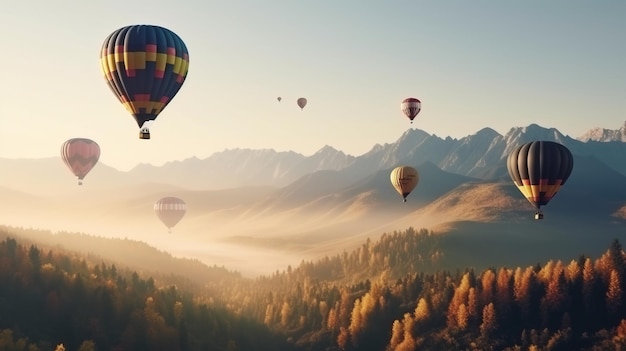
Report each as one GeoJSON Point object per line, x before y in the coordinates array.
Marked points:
{"type": "Point", "coordinates": [286, 207]}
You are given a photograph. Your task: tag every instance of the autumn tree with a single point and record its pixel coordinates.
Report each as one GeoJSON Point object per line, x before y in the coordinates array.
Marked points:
{"type": "Point", "coordinates": [488, 287]}
{"type": "Point", "coordinates": [589, 280]}
{"type": "Point", "coordinates": [504, 293]}
{"type": "Point", "coordinates": [408, 342]}
{"type": "Point", "coordinates": [522, 290]}
{"type": "Point", "coordinates": [397, 334]}
{"type": "Point", "coordinates": [422, 311]}
{"type": "Point", "coordinates": [614, 294]}
{"type": "Point", "coordinates": [616, 255]}
{"type": "Point", "coordinates": [472, 305]}
{"type": "Point", "coordinates": [460, 297]}
{"type": "Point", "coordinates": [285, 314]}
{"type": "Point", "coordinates": [462, 317]}
{"type": "Point", "coordinates": [490, 323]}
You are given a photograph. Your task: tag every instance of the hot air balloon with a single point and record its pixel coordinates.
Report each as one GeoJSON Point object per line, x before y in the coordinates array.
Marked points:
{"type": "Point", "coordinates": [279, 98]}
{"type": "Point", "coordinates": [404, 179]}
{"type": "Point", "coordinates": [145, 66]}
{"type": "Point", "coordinates": [539, 169]}
{"type": "Point", "coordinates": [302, 102]}
{"type": "Point", "coordinates": [170, 211]}
{"type": "Point", "coordinates": [80, 155]}
{"type": "Point", "coordinates": [411, 107]}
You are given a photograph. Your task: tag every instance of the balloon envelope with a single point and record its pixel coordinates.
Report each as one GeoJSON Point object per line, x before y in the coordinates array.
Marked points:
{"type": "Point", "coordinates": [404, 179]}
{"type": "Point", "coordinates": [170, 210]}
{"type": "Point", "coordinates": [80, 155]}
{"type": "Point", "coordinates": [302, 102]}
{"type": "Point", "coordinates": [411, 107]}
{"type": "Point", "coordinates": [145, 66]}
{"type": "Point", "coordinates": [539, 169]}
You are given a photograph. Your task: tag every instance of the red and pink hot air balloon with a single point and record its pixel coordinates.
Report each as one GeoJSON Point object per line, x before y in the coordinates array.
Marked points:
{"type": "Point", "coordinates": [411, 107]}
{"type": "Point", "coordinates": [80, 155]}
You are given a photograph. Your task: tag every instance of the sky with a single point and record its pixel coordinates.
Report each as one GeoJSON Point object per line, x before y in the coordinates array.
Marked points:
{"type": "Point", "coordinates": [473, 64]}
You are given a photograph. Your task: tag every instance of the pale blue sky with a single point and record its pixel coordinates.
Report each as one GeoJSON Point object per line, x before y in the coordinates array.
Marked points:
{"type": "Point", "coordinates": [474, 64]}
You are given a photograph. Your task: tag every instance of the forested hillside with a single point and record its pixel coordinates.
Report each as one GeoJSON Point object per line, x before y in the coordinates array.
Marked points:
{"type": "Point", "coordinates": [49, 298]}
{"type": "Point", "coordinates": [143, 258]}
{"type": "Point", "coordinates": [386, 295]}
{"type": "Point", "coordinates": [575, 305]}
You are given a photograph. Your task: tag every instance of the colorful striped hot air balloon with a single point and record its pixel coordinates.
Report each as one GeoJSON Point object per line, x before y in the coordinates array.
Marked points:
{"type": "Point", "coordinates": [145, 66]}
{"type": "Point", "coordinates": [170, 211]}
{"type": "Point", "coordinates": [404, 179]}
{"type": "Point", "coordinates": [80, 156]}
{"type": "Point", "coordinates": [411, 107]}
{"type": "Point", "coordinates": [539, 169]}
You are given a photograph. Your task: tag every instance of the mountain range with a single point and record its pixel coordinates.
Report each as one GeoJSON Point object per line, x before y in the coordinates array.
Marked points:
{"type": "Point", "coordinates": [285, 206]}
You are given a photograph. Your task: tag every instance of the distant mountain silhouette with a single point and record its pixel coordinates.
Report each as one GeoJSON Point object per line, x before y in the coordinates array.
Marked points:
{"type": "Point", "coordinates": [243, 167]}
{"type": "Point", "coordinates": [480, 155]}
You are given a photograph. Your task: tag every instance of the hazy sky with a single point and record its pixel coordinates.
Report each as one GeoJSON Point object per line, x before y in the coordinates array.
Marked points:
{"type": "Point", "coordinates": [474, 64]}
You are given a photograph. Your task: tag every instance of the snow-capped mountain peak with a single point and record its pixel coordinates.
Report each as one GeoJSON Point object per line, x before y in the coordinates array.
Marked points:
{"type": "Point", "coordinates": [605, 135]}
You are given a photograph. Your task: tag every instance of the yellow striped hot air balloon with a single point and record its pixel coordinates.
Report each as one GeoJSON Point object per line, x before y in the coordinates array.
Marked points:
{"type": "Point", "coordinates": [539, 169]}
{"type": "Point", "coordinates": [404, 179]}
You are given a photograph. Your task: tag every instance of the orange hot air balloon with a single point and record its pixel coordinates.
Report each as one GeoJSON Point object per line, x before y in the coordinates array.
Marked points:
{"type": "Point", "coordinates": [404, 179]}
{"type": "Point", "coordinates": [411, 107]}
{"type": "Point", "coordinates": [539, 169]}
{"type": "Point", "coordinates": [170, 211]}
{"type": "Point", "coordinates": [80, 155]}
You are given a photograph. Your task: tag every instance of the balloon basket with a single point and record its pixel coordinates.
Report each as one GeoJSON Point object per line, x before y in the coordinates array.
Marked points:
{"type": "Point", "coordinates": [144, 135]}
{"type": "Point", "coordinates": [538, 215]}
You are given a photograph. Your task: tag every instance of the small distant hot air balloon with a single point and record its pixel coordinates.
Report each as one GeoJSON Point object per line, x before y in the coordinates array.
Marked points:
{"type": "Point", "coordinates": [279, 98]}
{"type": "Point", "coordinates": [539, 169]}
{"type": "Point", "coordinates": [80, 155]}
{"type": "Point", "coordinates": [170, 211]}
{"type": "Point", "coordinates": [411, 107]}
{"type": "Point", "coordinates": [145, 66]}
{"type": "Point", "coordinates": [404, 179]}
{"type": "Point", "coordinates": [302, 102]}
